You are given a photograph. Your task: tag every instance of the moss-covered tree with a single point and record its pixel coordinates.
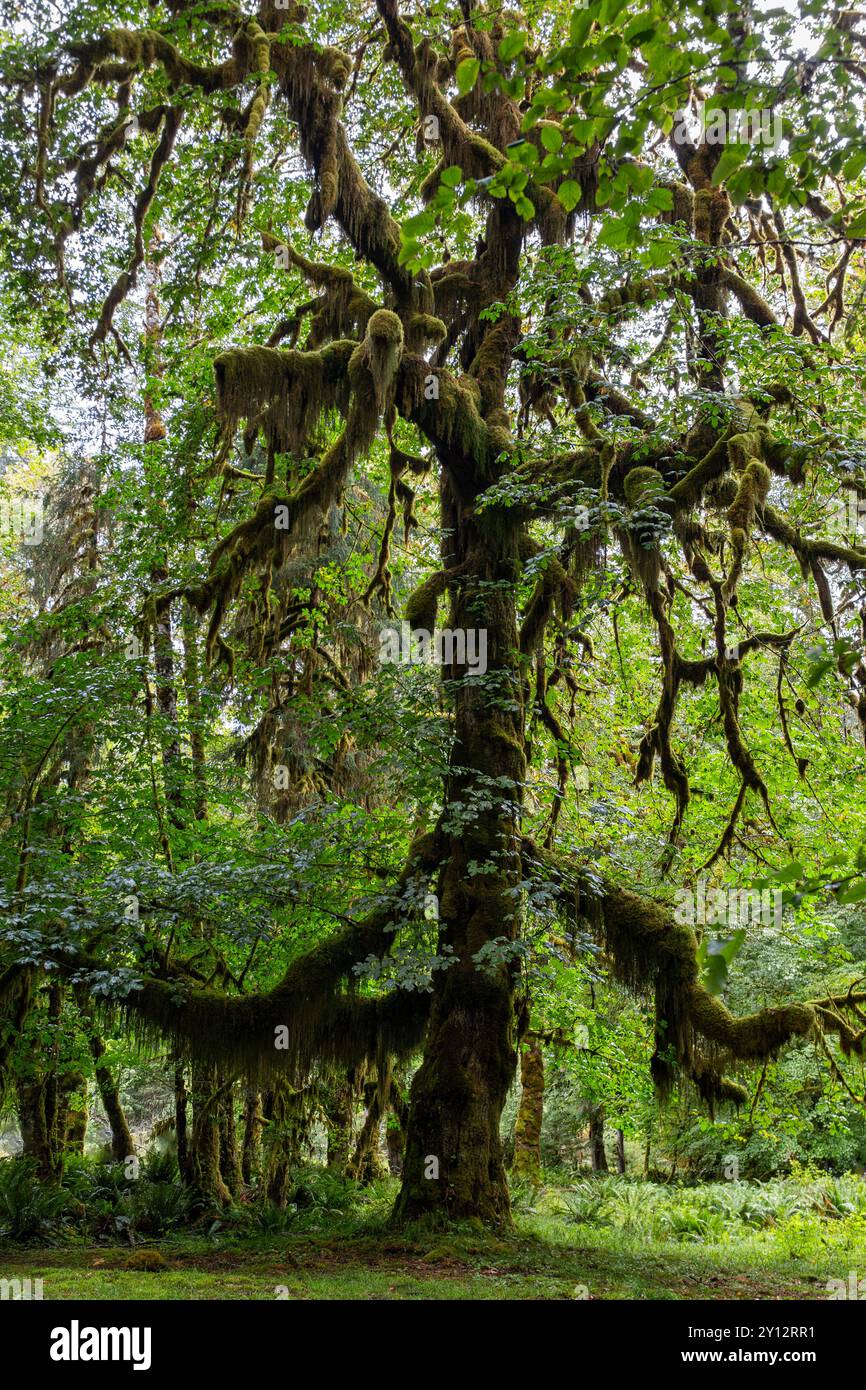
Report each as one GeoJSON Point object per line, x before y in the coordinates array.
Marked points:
{"type": "Point", "coordinates": [470, 315]}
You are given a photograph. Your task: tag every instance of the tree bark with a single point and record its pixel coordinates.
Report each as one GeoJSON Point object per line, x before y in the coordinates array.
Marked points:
{"type": "Point", "coordinates": [339, 1116]}
{"type": "Point", "coordinates": [230, 1159]}
{"type": "Point", "coordinates": [251, 1153]}
{"type": "Point", "coordinates": [527, 1130]}
{"type": "Point", "coordinates": [367, 1164]}
{"type": "Point", "coordinates": [122, 1142]}
{"type": "Point", "coordinates": [204, 1145]}
{"type": "Point", "coordinates": [180, 1125]}
{"type": "Point", "coordinates": [620, 1152]}
{"type": "Point", "coordinates": [74, 1119]}
{"type": "Point", "coordinates": [597, 1155]}
{"type": "Point", "coordinates": [454, 1167]}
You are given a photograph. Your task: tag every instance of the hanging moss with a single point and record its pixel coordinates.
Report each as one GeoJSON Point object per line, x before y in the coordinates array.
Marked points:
{"type": "Point", "coordinates": [287, 392]}
{"type": "Point", "coordinates": [751, 494]}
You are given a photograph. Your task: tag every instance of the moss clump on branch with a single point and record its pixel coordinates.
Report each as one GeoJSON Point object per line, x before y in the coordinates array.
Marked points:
{"type": "Point", "coordinates": [285, 392]}
{"type": "Point", "coordinates": [423, 603]}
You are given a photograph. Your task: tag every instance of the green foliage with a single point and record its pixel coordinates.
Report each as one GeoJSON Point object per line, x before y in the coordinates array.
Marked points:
{"type": "Point", "coordinates": [31, 1212]}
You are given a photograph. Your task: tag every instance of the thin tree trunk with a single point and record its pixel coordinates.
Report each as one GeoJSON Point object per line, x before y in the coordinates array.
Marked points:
{"type": "Point", "coordinates": [395, 1129]}
{"type": "Point", "coordinates": [230, 1159]}
{"type": "Point", "coordinates": [122, 1142]}
{"type": "Point", "coordinates": [597, 1155]}
{"type": "Point", "coordinates": [180, 1126]}
{"type": "Point", "coordinates": [341, 1099]}
{"type": "Point", "coordinates": [367, 1164]}
{"type": "Point", "coordinates": [527, 1130]}
{"type": "Point", "coordinates": [285, 1115]}
{"type": "Point", "coordinates": [620, 1152]}
{"type": "Point", "coordinates": [254, 1120]}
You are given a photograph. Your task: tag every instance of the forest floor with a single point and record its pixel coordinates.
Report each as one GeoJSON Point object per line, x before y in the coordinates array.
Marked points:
{"type": "Point", "coordinates": [550, 1255]}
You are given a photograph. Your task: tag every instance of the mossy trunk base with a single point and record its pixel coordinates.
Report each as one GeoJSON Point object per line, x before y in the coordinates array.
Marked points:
{"type": "Point", "coordinates": [453, 1168]}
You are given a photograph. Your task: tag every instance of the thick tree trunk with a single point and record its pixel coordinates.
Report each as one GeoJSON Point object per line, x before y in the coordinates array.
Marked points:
{"type": "Point", "coordinates": [597, 1155]}
{"type": "Point", "coordinates": [527, 1130]}
{"type": "Point", "coordinates": [42, 1136]}
{"type": "Point", "coordinates": [454, 1167]}
{"type": "Point", "coordinates": [204, 1145]}
{"type": "Point", "coordinates": [339, 1116]}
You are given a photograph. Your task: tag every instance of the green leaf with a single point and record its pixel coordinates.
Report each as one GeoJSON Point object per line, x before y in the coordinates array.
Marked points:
{"type": "Point", "coordinates": [732, 157]}
{"type": "Point", "coordinates": [661, 200]}
{"type": "Point", "coordinates": [789, 873]}
{"type": "Point", "coordinates": [419, 223]}
{"type": "Point", "coordinates": [451, 176]}
{"type": "Point", "coordinates": [467, 75]}
{"type": "Point", "coordinates": [551, 138]}
{"type": "Point", "coordinates": [511, 45]}
{"type": "Point", "coordinates": [569, 194]}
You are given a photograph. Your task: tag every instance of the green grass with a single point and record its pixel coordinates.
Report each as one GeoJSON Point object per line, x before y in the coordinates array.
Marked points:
{"type": "Point", "coordinates": [596, 1240]}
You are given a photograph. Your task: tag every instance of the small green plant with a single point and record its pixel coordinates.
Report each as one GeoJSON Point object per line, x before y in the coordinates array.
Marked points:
{"type": "Point", "coordinates": [31, 1211]}
{"type": "Point", "coordinates": [158, 1207]}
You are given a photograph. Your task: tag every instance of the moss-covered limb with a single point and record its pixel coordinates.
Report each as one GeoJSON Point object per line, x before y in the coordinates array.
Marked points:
{"type": "Point", "coordinates": [477, 157]}
{"type": "Point", "coordinates": [423, 603]}
{"type": "Point", "coordinates": [446, 410]}
{"type": "Point", "coordinates": [695, 672]}
{"type": "Point", "coordinates": [637, 294]}
{"type": "Point", "coordinates": [777, 526]}
{"type": "Point", "coordinates": [562, 747]}
{"type": "Point", "coordinates": [650, 951]}
{"type": "Point", "coordinates": [127, 278]}
{"type": "Point", "coordinates": [554, 586]}
{"type": "Point", "coordinates": [752, 489]}
{"type": "Point", "coordinates": [752, 303]}
{"type": "Point", "coordinates": [690, 489]}
{"type": "Point", "coordinates": [489, 367]}
{"type": "Point", "coordinates": [283, 1029]}
{"type": "Point", "coordinates": [657, 741]}
{"type": "Point", "coordinates": [320, 1016]}
{"type": "Point", "coordinates": [344, 308]}
{"type": "Point", "coordinates": [312, 81]}
{"type": "Point", "coordinates": [802, 319]}
{"type": "Point", "coordinates": [286, 391]}
{"type": "Point", "coordinates": [141, 49]}
{"type": "Point", "coordinates": [614, 401]}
